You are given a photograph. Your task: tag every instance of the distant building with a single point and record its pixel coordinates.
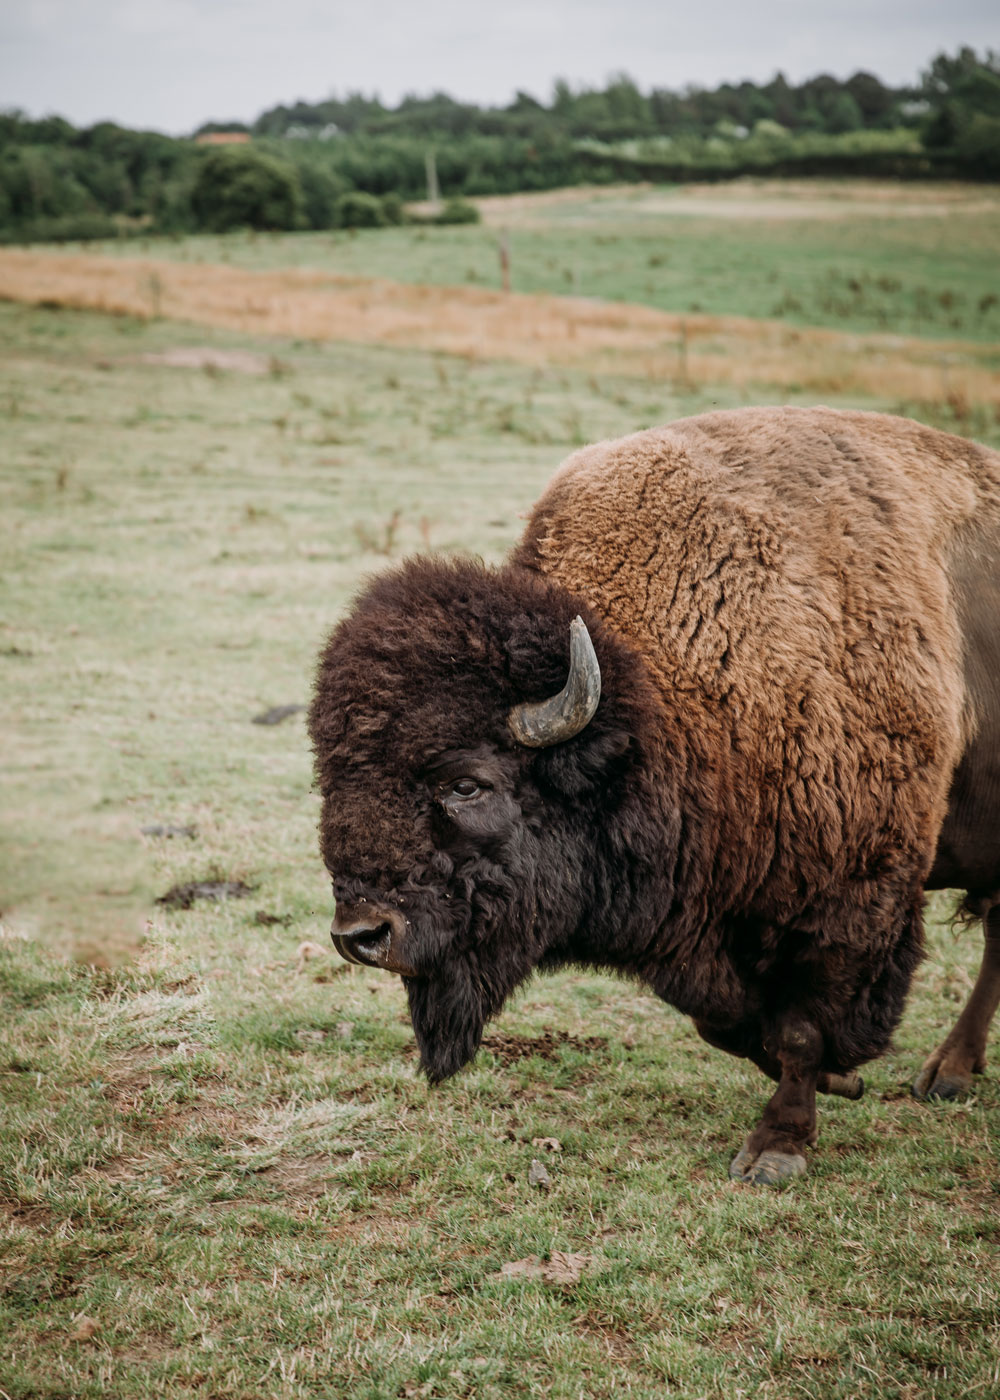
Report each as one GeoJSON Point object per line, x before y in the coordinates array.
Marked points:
{"type": "Point", "coordinates": [222, 138]}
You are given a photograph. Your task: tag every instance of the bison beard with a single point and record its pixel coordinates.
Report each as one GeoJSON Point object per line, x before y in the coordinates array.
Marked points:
{"type": "Point", "coordinates": [781, 603]}
{"type": "Point", "coordinates": [449, 1014]}
{"type": "Point", "coordinates": [451, 1002]}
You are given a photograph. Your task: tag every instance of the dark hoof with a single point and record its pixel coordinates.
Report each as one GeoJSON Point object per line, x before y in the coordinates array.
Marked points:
{"type": "Point", "coordinates": [930, 1085]}
{"type": "Point", "coordinates": [846, 1086]}
{"type": "Point", "coordinates": [768, 1168]}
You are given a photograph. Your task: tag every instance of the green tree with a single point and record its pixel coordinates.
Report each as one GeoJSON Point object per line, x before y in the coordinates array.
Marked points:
{"type": "Point", "coordinates": [843, 113]}
{"type": "Point", "coordinates": [963, 97]}
{"type": "Point", "coordinates": [238, 187]}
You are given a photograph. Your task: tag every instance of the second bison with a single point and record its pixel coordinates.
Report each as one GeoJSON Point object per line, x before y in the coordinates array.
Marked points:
{"type": "Point", "coordinates": [775, 726]}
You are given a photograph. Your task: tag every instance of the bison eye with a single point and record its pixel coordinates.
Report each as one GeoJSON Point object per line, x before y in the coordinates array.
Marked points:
{"type": "Point", "coordinates": [464, 787]}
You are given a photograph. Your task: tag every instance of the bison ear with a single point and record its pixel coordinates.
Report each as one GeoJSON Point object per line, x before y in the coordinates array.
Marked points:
{"type": "Point", "coordinates": [577, 768]}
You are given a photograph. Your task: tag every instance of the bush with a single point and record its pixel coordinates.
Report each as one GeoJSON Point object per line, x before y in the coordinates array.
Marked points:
{"type": "Point", "coordinates": [320, 192]}
{"type": "Point", "coordinates": [66, 228]}
{"type": "Point", "coordinates": [458, 211]}
{"type": "Point", "coordinates": [238, 187]}
{"type": "Point", "coordinates": [360, 210]}
{"type": "Point", "coordinates": [392, 208]}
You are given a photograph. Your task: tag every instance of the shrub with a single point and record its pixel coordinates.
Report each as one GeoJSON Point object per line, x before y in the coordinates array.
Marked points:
{"type": "Point", "coordinates": [359, 210]}
{"type": "Point", "coordinates": [238, 187]}
{"type": "Point", "coordinates": [392, 208]}
{"type": "Point", "coordinates": [458, 211]}
{"type": "Point", "coordinates": [321, 190]}
{"type": "Point", "coordinates": [66, 228]}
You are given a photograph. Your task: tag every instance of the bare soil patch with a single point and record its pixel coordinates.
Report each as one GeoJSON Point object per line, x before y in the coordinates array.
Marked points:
{"type": "Point", "coordinates": [183, 896]}
{"type": "Point", "coordinates": [301, 1178]}
{"type": "Point", "coordinates": [21, 1212]}
{"type": "Point", "coordinates": [509, 1049]}
{"type": "Point", "coordinates": [205, 357]}
{"type": "Point", "coordinates": [617, 338]}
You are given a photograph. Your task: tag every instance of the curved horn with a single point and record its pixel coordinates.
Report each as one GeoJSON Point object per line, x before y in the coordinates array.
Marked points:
{"type": "Point", "coordinates": [555, 720]}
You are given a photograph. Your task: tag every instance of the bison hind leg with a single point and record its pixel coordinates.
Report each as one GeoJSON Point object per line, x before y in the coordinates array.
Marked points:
{"type": "Point", "coordinates": [947, 1074]}
{"type": "Point", "coordinates": [845, 1086]}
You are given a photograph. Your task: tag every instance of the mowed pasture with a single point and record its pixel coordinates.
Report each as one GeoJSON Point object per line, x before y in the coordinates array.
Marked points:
{"type": "Point", "coordinates": [221, 1174]}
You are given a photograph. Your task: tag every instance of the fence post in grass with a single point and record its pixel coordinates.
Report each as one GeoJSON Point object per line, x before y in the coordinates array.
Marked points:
{"type": "Point", "coordinates": [504, 246]}
{"type": "Point", "coordinates": [433, 192]}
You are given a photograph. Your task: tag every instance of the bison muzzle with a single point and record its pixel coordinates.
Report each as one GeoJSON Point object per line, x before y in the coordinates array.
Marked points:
{"type": "Point", "coordinates": [729, 708]}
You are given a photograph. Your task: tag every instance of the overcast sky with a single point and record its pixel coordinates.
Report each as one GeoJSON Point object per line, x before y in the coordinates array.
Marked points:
{"type": "Point", "coordinates": [172, 64]}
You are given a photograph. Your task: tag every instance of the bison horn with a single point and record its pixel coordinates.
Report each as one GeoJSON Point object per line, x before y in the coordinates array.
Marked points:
{"type": "Point", "coordinates": [555, 720]}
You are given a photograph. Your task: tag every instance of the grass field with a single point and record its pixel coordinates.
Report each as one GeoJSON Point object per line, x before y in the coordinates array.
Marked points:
{"type": "Point", "coordinates": [220, 1172]}
{"type": "Point", "coordinates": [910, 260]}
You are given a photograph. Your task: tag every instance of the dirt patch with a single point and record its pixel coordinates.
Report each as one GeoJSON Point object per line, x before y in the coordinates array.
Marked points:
{"type": "Point", "coordinates": [277, 714]}
{"type": "Point", "coordinates": [381, 1231]}
{"type": "Point", "coordinates": [127, 1077]}
{"type": "Point", "coordinates": [183, 896]}
{"type": "Point", "coordinates": [601, 337]}
{"type": "Point", "coordinates": [509, 1049]}
{"type": "Point", "coordinates": [614, 1341]}
{"type": "Point", "coordinates": [205, 357]}
{"type": "Point", "coordinates": [35, 1216]}
{"type": "Point", "coordinates": [300, 1178]}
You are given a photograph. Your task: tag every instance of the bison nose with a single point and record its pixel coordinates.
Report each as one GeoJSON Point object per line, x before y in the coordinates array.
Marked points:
{"type": "Point", "coordinates": [372, 935]}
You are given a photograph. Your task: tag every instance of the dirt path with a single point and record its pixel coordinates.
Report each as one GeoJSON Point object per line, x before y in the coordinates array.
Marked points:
{"type": "Point", "coordinates": [599, 336]}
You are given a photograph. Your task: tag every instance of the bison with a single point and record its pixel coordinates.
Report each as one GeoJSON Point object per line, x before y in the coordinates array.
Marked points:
{"type": "Point", "coordinates": [728, 709]}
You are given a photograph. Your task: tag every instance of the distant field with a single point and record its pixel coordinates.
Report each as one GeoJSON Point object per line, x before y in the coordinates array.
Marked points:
{"type": "Point", "coordinates": [618, 338]}
{"type": "Point", "coordinates": [910, 260]}
{"type": "Point", "coordinates": [221, 1176]}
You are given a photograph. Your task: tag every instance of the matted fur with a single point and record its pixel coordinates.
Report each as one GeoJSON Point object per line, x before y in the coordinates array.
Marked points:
{"type": "Point", "coordinates": [749, 821]}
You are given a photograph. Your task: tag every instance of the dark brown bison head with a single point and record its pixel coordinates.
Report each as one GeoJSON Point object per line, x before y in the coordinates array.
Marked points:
{"type": "Point", "coordinates": [471, 784]}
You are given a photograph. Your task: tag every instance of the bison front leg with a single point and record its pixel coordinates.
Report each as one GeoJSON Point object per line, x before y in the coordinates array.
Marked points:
{"type": "Point", "coordinates": [775, 1150]}
{"type": "Point", "coordinates": [748, 1047]}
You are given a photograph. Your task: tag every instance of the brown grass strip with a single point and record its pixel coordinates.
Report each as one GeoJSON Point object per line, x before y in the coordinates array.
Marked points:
{"type": "Point", "coordinates": [599, 336]}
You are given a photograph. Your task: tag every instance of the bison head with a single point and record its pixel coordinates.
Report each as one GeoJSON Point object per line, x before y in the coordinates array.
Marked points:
{"type": "Point", "coordinates": [470, 781]}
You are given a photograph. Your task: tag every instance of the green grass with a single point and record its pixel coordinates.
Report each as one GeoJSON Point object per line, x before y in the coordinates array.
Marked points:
{"type": "Point", "coordinates": [923, 274]}
{"type": "Point", "coordinates": [178, 544]}
{"type": "Point", "coordinates": [231, 1165]}
{"type": "Point", "coordinates": [221, 1152]}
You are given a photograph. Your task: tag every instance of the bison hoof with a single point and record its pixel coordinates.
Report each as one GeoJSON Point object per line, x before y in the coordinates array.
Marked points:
{"type": "Point", "coordinates": [930, 1084]}
{"type": "Point", "coordinates": [847, 1086]}
{"type": "Point", "coordinates": [768, 1168]}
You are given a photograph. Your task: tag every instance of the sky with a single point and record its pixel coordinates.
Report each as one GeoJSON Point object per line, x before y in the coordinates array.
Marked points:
{"type": "Point", "coordinates": [172, 64]}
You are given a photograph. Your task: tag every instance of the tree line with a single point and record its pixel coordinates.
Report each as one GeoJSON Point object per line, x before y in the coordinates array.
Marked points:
{"type": "Point", "coordinates": [353, 160]}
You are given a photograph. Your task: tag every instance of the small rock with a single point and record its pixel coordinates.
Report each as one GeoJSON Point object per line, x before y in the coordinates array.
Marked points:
{"type": "Point", "coordinates": [86, 1329]}
{"type": "Point", "coordinates": [531, 1267]}
{"type": "Point", "coordinates": [559, 1268]}
{"type": "Point", "coordinates": [310, 1037]}
{"type": "Point", "coordinates": [565, 1268]}
{"type": "Point", "coordinates": [189, 832]}
{"type": "Point", "coordinates": [538, 1176]}
{"type": "Point", "coordinates": [547, 1144]}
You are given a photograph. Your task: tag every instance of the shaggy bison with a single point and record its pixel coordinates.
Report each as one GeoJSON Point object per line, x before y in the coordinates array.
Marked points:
{"type": "Point", "coordinates": [729, 708]}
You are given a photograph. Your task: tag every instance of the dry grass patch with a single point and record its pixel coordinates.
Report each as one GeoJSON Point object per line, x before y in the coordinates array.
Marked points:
{"type": "Point", "coordinates": [605, 337]}
{"type": "Point", "coordinates": [745, 198]}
